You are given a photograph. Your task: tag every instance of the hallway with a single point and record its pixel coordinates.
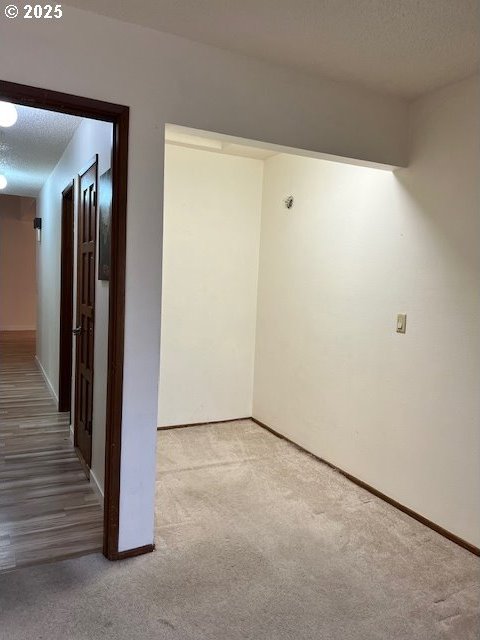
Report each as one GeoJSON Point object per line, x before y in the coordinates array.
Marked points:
{"type": "Point", "coordinates": [47, 509]}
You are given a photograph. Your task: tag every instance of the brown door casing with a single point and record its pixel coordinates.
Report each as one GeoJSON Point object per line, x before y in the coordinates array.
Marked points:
{"type": "Point", "coordinates": [85, 316]}
{"type": "Point", "coordinates": [66, 300]}
{"type": "Point", "coordinates": [119, 116]}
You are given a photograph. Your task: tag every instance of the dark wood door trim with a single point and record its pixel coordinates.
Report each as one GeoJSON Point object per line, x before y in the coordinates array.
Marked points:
{"type": "Point", "coordinates": [119, 116]}
{"type": "Point", "coordinates": [66, 299]}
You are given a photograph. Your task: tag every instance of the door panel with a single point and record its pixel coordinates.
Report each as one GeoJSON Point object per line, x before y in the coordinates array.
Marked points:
{"type": "Point", "coordinates": [85, 329]}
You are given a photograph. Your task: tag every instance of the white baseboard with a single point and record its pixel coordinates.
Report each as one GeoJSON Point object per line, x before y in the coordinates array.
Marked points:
{"type": "Point", "coordinates": [96, 486]}
{"type": "Point", "coordinates": [14, 327]}
{"type": "Point", "coordinates": [47, 380]}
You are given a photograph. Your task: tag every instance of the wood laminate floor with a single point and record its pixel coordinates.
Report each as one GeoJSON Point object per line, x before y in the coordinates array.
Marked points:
{"type": "Point", "coordinates": [48, 510]}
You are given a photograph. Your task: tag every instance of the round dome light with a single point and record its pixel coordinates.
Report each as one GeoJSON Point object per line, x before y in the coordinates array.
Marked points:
{"type": "Point", "coordinates": [3, 182]}
{"type": "Point", "coordinates": [8, 114]}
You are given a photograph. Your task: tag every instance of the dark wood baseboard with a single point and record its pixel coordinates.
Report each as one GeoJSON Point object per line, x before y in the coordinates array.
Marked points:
{"type": "Point", "coordinates": [132, 553]}
{"type": "Point", "coordinates": [201, 424]}
{"type": "Point", "coordinates": [416, 516]}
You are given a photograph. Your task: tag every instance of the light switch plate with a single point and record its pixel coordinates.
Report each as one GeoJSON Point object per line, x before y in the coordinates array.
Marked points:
{"type": "Point", "coordinates": [402, 323]}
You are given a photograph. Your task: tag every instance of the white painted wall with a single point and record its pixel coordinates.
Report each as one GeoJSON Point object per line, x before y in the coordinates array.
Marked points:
{"type": "Point", "coordinates": [91, 137]}
{"type": "Point", "coordinates": [400, 412]}
{"type": "Point", "coordinates": [212, 207]}
{"type": "Point", "coordinates": [18, 291]}
{"type": "Point", "coordinates": [163, 79]}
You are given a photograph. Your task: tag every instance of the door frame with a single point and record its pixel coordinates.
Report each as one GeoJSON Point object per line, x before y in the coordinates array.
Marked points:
{"type": "Point", "coordinates": [66, 298]}
{"type": "Point", "coordinates": [118, 115]}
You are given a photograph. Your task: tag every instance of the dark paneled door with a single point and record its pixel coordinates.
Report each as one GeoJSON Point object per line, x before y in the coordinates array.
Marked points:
{"type": "Point", "coordinates": [85, 329]}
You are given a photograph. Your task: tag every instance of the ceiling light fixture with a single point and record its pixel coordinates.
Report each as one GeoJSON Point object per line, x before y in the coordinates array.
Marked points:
{"type": "Point", "coordinates": [3, 182]}
{"type": "Point", "coordinates": [8, 114]}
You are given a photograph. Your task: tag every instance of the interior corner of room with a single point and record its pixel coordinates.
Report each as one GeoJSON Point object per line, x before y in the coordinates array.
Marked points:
{"type": "Point", "coordinates": [284, 276]}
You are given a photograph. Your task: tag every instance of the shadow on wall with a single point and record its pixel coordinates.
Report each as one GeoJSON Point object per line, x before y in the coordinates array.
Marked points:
{"type": "Point", "coordinates": [441, 193]}
{"type": "Point", "coordinates": [17, 207]}
{"type": "Point", "coordinates": [17, 263]}
{"type": "Point", "coordinates": [441, 182]}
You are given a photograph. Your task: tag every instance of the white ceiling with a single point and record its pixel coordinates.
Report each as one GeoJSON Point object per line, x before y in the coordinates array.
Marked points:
{"type": "Point", "coordinates": [403, 47]}
{"type": "Point", "coordinates": [30, 149]}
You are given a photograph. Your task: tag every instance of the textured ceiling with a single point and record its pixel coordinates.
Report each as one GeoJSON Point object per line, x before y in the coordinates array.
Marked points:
{"type": "Point", "coordinates": [403, 47]}
{"type": "Point", "coordinates": [30, 149]}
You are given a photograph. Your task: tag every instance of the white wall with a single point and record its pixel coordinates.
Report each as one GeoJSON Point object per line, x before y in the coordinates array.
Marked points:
{"type": "Point", "coordinates": [90, 138]}
{"type": "Point", "coordinates": [18, 294]}
{"type": "Point", "coordinates": [163, 79]}
{"type": "Point", "coordinates": [400, 412]}
{"type": "Point", "coordinates": [212, 207]}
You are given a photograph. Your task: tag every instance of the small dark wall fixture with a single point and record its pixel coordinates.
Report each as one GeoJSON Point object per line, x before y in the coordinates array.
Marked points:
{"type": "Point", "coordinates": [104, 226]}
{"type": "Point", "coordinates": [37, 225]}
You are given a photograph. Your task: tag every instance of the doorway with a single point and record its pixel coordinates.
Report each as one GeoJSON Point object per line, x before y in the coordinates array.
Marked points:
{"type": "Point", "coordinates": [118, 115]}
{"type": "Point", "coordinates": [66, 301]}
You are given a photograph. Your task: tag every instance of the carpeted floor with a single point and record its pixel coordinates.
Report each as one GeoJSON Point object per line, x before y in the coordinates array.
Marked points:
{"type": "Point", "coordinates": [255, 540]}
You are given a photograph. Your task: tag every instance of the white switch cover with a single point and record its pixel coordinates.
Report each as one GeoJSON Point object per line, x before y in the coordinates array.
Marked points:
{"type": "Point", "coordinates": [401, 323]}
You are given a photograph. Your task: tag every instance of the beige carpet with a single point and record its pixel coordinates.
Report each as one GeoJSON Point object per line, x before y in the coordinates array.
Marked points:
{"type": "Point", "coordinates": [255, 540]}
